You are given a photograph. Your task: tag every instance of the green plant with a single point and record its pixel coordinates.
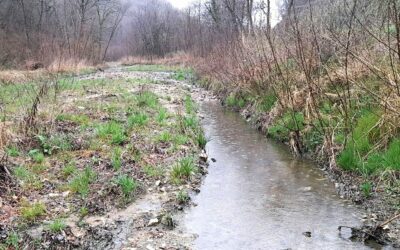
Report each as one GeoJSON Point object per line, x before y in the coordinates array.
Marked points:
{"type": "Point", "coordinates": [13, 151]}
{"type": "Point", "coordinates": [182, 196]}
{"type": "Point", "coordinates": [147, 99]}
{"type": "Point", "coordinates": [139, 119]}
{"type": "Point", "coordinates": [190, 106]}
{"type": "Point", "coordinates": [36, 155]}
{"type": "Point", "coordinates": [267, 102]}
{"type": "Point", "coordinates": [184, 169]}
{"type": "Point", "coordinates": [153, 171]}
{"type": "Point", "coordinates": [164, 136]}
{"type": "Point", "coordinates": [83, 211]}
{"type": "Point", "coordinates": [190, 122]}
{"type": "Point", "coordinates": [78, 119]}
{"type": "Point", "coordinates": [13, 240]}
{"type": "Point", "coordinates": [116, 159]}
{"type": "Point", "coordinates": [201, 139]}
{"type": "Point", "coordinates": [57, 226]}
{"type": "Point", "coordinates": [112, 131]}
{"type": "Point", "coordinates": [80, 183]}
{"type": "Point", "coordinates": [127, 184]}
{"type": "Point", "coordinates": [162, 115]}
{"type": "Point", "coordinates": [27, 178]}
{"type": "Point", "coordinates": [69, 170]}
{"type": "Point", "coordinates": [366, 188]}
{"type": "Point", "coordinates": [31, 212]}
{"type": "Point", "coordinates": [181, 139]}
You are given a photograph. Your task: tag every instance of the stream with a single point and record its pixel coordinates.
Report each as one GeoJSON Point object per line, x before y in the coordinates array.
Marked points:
{"type": "Point", "coordinates": [257, 196]}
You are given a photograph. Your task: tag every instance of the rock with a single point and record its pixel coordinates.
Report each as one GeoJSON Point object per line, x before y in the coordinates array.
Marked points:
{"type": "Point", "coordinates": [158, 183]}
{"type": "Point", "coordinates": [53, 195]}
{"type": "Point", "coordinates": [306, 189]}
{"type": "Point", "coordinates": [213, 160]}
{"type": "Point", "coordinates": [148, 247]}
{"type": "Point", "coordinates": [203, 156]}
{"type": "Point", "coordinates": [307, 234]}
{"type": "Point", "coordinates": [35, 233]}
{"type": "Point", "coordinates": [153, 222]}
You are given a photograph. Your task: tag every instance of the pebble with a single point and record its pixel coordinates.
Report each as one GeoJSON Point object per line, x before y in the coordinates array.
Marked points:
{"type": "Point", "coordinates": [153, 222]}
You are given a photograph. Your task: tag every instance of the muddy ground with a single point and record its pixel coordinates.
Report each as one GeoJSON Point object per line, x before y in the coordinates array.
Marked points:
{"type": "Point", "coordinates": [112, 162]}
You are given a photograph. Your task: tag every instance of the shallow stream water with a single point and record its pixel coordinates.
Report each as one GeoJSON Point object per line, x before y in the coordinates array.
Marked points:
{"type": "Point", "coordinates": [257, 196]}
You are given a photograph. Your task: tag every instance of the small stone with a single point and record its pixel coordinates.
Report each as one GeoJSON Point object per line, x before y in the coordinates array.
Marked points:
{"type": "Point", "coordinates": [307, 234]}
{"type": "Point", "coordinates": [203, 156]}
{"type": "Point", "coordinates": [158, 183]}
{"type": "Point", "coordinates": [53, 195]}
{"type": "Point", "coordinates": [153, 222]}
{"type": "Point", "coordinates": [213, 160]}
{"type": "Point", "coordinates": [306, 189]}
{"type": "Point", "coordinates": [66, 194]}
{"type": "Point", "coordinates": [148, 247]}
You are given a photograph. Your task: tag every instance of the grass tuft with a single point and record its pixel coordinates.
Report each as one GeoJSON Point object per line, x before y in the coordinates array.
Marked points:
{"type": "Point", "coordinates": [127, 184]}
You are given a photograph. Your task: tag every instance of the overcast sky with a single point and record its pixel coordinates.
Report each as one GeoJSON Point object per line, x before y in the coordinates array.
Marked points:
{"type": "Point", "coordinates": [275, 17]}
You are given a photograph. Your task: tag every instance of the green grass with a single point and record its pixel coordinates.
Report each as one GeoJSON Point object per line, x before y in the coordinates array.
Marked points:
{"type": "Point", "coordinates": [36, 156]}
{"type": "Point", "coordinates": [201, 139]}
{"type": "Point", "coordinates": [127, 184]}
{"type": "Point", "coordinates": [27, 178]}
{"type": "Point", "coordinates": [116, 159]}
{"type": "Point", "coordinates": [147, 99]}
{"type": "Point", "coordinates": [181, 139]}
{"type": "Point", "coordinates": [13, 151]}
{"type": "Point", "coordinates": [12, 240]}
{"type": "Point", "coordinates": [267, 102]}
{"type": "Point", "coordinates": [138, 119]}
{"type": "Point", "coordinates": [31, 212]}
{"type": "Point", "coordinates": [183, 170]}
{"type": "Point", "coordinates": [83, 211]}
{"type": "Point", "coordinates": [366, 189]}
{"type": "Point", "coordinates": [162, 115]}
{"type": "Point", "coordinates": [282, 127]}
{"type": "Point", "coordinates": [164, 136]}
{"type": "Point", "coordinates": [55, 143]}
{"type": "Point", "coordinates": [153, 171]}
{"type": "Point", "coordinates": [150, 68]}
{"type": "Point", "coordinates": [82, 180]}
{"type": "Point", "coordinates": [69, 170]}
{"type": "Point", "coordinates": [57, 226]}
{"type": "Point", "coordinates": [75, 118]}
{"type": "Point", "coordinates": [190, 106]}
{"type": "Point", "coordinates": [190, 122]}
{"type": "Point", "coordinates": [113, 132]}
{"type": "Point", "coordinates": [182, 196]}
{"type": "Point", "coordinates": [232, 101]}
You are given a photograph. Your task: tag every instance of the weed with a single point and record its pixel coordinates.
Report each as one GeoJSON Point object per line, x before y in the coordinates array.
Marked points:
{"type": "Point", "coordinates": [83, 211]}
{"type": "Point", "coordinates": [232, 101]}
{"type": "Point", "coordinates": [190, 106]}
{"type": "Point", "coordinates": [184, 169]}
{"type": "Point", "coordinates": [112, 131]}
{"type": "Point", "coordinates": [127, 184]}
{"type": "Point", "coordinates": [139, 119]}
{"type": "Point", "coordinates": [69, 170]}
{"type": "Point", "coordinates": [201, 139]}
{"type": "Point", "coordinates": [78, 119]}
{"type": "Point", "coordinates": [13, 240]}
{"type": "Point", "coordinates": [164, 136]}
{"type": "Point", "coordinates": [267, 102]}
{"type": "Point", "coordinates": [57, 226]}
{"type": "Point", "coordinates": [31, 212]}
{"type": "Point", "coordinates": [147, 99]}
{"type": "Point", "coordinates": [190, 122]}
{"type": "Point", "coordinates": [116, 159]}
{"type": "Point", "coordinates": [182, 197]}
{"type": "Point", "coordinates": [152, 171]}
{"type": "Point", "coordinates": [13, 151]}
{"type": "Point", "coordinates": [181, 139]}
{"type": "Point", "coordinates": [36, 155]}
{"type": "Point", "coordinates": [80, 183]}
{"type": "Point", "coordinates": [27, 178]}
{"type": "Point", "coordinates": [162, 115]}
{"type": "Point", "coordinates": [366, 188]}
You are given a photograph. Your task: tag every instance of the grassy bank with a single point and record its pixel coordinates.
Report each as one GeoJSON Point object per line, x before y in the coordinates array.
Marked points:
{"type": "Point", "coordinates": [82, 146]}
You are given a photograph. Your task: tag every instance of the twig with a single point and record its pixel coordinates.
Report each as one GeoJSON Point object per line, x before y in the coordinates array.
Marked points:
{"type": "Point", "coordinates": [389, 220]}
